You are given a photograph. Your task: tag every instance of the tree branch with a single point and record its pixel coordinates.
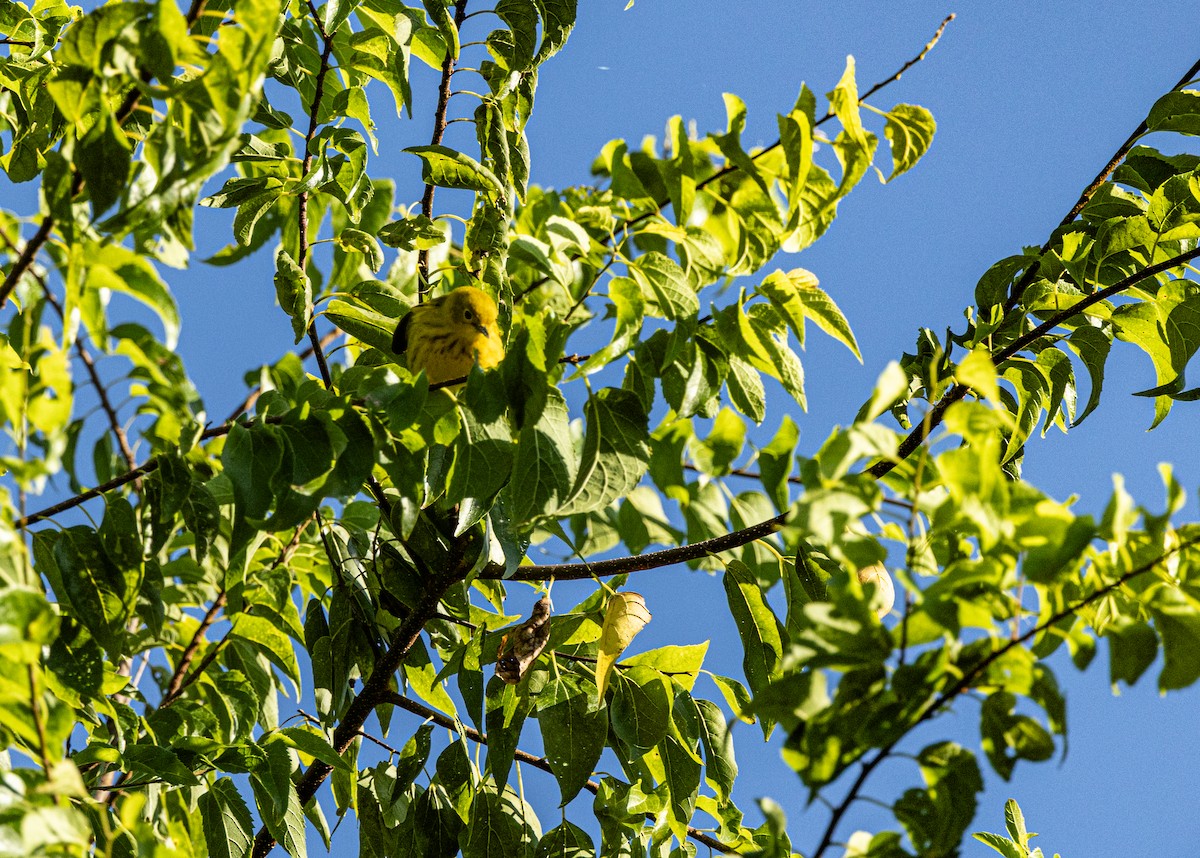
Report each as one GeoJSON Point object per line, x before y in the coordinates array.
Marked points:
{"type": "Point", "coordinates": [118, 481]}
{"type": "Point", "coordinates": [439, 130]}
{"type": "Point", "coordinates": [641, 562]}
{"type": "Point", "coordinates": [975, 672]}
{"type": "Point", "coordinates": [375, 689]}
{"type": "Point", "coordinates": [958, 391]}
{"type": "Point", "coordinates": [306, 165]}
{"type": "Point", "coordinates": [176, 685]}
{"type": "Point", "coordinates": [419, 709]}
{"type": "Point", "coordinates": [1019, 288]}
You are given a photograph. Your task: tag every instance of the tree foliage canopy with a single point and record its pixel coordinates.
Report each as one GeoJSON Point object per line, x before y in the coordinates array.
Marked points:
{"type": "Point", "coordinates": [359, 538]}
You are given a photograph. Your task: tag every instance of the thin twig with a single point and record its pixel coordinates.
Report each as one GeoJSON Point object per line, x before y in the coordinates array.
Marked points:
{"type": "Point", "coordinates": [176, 684]}
{"type": "Point", "coordinates": [419, 709]}
{"type": "Point", "coordinates": [85, 357]}
{"type": "Point", "coordinates": [439, 130]}
{"type": "Point", "coordinates": [730, 168]}
{"type": "Point", "coordinates": [306, 165]}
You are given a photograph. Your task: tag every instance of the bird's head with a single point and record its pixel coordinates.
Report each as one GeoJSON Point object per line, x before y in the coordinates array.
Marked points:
{"type": "Point", "coordinates": [471, 307]}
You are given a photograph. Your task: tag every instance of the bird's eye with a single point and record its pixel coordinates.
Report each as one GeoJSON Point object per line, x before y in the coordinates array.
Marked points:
{"type": "Point", "coordinates": [468, 315]}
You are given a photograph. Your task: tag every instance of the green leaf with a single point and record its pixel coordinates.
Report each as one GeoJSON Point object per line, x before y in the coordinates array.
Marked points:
{"type": "Point", "coordinates": [446, 168]}
{"type": "Point", "coordinates": [937, 817]}
{"type": "Point", "coordinates": [720, 767]}
{"type": "Point", "coordinates": [1178, 110]}
{"type": "Point", "coordinates": [507, 708]}
{"type": "Point", "coordinates": [27, 623]}
{"type": "Point", "coordinates": [909, 131]}
{"type": "Point", "coordinates": [1133, 647]}
{"type": "Point", "coordinates": [439, 13]}
{"type": "Point", "coordinates": [294, 293]}
{"type": "Point", "coordinates": [664, 286]}
{"type": "Point", "coordinates": [228, 826]}
{"type": "Point", "coordinates": [641, 707]}
{"type": "Point", "coordinates": [357, 241]}
{"type": "Point", "coordinates": [103, 157]}
{"type": "Point", "coordinates": [756, 624]}
{"type": "Point", "coordinates": [736, 696]}
{"type": "Point", "coordinates": [682, 663]}
{"type": "Point", "coordinates": [566, 841]}
{"type": "Point", "coordinates": [313, 743]}
{"type": "Point", "coordinates": [1167, 329]}
{"type": "Point", "coordinates": [157, 763]}
{"type": "Point", "coordinates": [110, 266]}
{"type": "Point", "coordinates": [1008, 737]}
{"type": "Point", "coordinates": [362, 323]}
{"type": "Point", "coordinates": [1177, 620]}
{"type": "Point", "coordinates": [796, 296]}
{"type": "Point", "coordinates": [269, 640]}
{"type": "Point", "coordinates": [573, 734]}
{"type": "Point", "coordinates": [501, 826]}
{"type": "Point", "coordinates": [412, 233]}
{"type": "Point", "coordinates": [615, 451]}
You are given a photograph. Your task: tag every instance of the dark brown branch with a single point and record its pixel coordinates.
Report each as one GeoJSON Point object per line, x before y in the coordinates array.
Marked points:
{"type": "Point", "coordinates": [175, 686]}
{"type": "Point", "coordinates": [83, 497]}
{"type": "Point", "coordinates": [306, 165]}
{"type": "Point", "coordinates": [375, 689]}
{"type": "Point", "coordinates": [642, 562]}
{"type": "Point", "coordinates": [115, 482]}
{"type": "Point", "coordinates": [964, 683]}
{"type": "Point", "coordinates": [1027, 278]}
{"type": "Point", "coordinates": [958, 391]}
{"type": "Point", "coordinates": [26, 258]}
{"type": "Point", "coordinates": [439, 130]}
{"type": "Point", "coordinates": [541, 763]}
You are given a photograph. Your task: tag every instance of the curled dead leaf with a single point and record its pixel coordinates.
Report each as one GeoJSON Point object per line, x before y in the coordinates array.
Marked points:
{"type": "Point", "coordinates": [522, 645]}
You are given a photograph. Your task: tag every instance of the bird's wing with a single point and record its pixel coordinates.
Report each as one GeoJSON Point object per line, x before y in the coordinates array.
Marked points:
{"type": "Point", "coordinates": [400, 338]}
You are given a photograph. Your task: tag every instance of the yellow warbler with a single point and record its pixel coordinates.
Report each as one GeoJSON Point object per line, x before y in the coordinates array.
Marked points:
{"type": "Point", "coordinates": [448, 335]}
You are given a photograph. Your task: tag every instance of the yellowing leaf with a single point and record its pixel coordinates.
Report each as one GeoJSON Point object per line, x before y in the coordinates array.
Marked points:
{"type": "Point", "coordinates": [626, 616]}
{"type": "Point", "coordinates": [885, 591]}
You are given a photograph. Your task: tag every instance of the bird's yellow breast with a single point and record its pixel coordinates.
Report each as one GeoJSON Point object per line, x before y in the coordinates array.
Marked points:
{"type": "Point", "coordinates": [449, 335]}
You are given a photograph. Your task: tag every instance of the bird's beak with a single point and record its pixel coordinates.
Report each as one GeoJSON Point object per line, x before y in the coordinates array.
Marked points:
{"type": "Point", "coordinates": [479, 327]}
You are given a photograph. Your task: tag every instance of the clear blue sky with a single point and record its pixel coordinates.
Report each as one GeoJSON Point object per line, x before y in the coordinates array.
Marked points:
{"type": "Point", "coordinates": [1031, 98]}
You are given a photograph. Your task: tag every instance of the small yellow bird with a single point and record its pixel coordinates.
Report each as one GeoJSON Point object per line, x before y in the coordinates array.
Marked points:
{"type": "Point", "coordinates": [450, 334]}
